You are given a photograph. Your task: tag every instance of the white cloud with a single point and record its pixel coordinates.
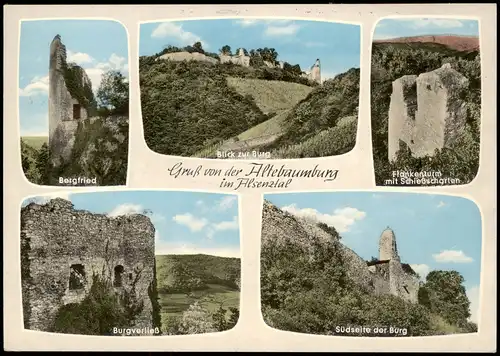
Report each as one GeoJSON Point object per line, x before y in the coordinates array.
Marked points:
{"type": "Point", "coordinates": [176, 32]}
{"type": "Point", "coordinates": [252, 22]}
{"type": "Point", "coordinates": [193, 223]}
{"type": "Point", "coordinates": [38, 86]}
{"type": "Point", "coordinates": [441, 204]}
{"type": "Point", "coordinates": [78, 57]}
{"type": "Point", "coordinates": [281, 30]}
{"type": "Point", "coordinates": [189, 249]}
{"type": "Point", "coordinates": [130, 209]}
{"type": "Point", "coordinates": [422, 270]}
{"type": "Point", "coordinates": [473, 295]}
{"type": "Point", "coordinates": [226, 225]}
{"type": "Point", "coordinates": [452, 256]}
{"type": "Point", "coordinates": [248, 22]}
{"type": "Point", "coordinates": [226, 202]}
{"type": "Point", "coordinates": [126, 209]}
{"type": "Point", "coordinates": [341, 219]}
{"type": "Point", "coordinates": [44, 199]}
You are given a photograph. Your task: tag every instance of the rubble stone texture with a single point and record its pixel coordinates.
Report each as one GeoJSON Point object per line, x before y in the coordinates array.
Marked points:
{"type": "Point", "coordinates": [386, 277]}
{"type": "Point", "coordinates": [62, 247]}
{"type": "Point", "coordinates": [427, 112]}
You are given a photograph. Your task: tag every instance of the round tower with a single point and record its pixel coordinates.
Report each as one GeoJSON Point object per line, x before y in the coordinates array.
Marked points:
{"type": "Point", "coordinates": [388, 249]}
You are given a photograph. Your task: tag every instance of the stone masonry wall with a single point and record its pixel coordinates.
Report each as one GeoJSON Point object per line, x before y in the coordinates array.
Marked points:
{"type": "Point", "coordinates": [435, 120]}
{"type": "Point", "coordinates": [387, 277]}
{"type": "Point", "coordinates": [61, 104]}
{"type": "Point", "coordinates": [55, 237]}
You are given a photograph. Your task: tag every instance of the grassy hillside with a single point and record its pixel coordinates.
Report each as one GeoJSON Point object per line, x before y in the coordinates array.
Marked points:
{"type": "Point", "coordinates": [270, 96]}
{"type": "Point", "coordinates": [35, 141]}
{"type": "Point", "coordinates": [182, 280]}
{"type": "Point", "coordinates": [269, 127]}
{"type": "Point", "coordinates": [390, 62]}
{"type": "Point", "coordinates": [189, 105]}
{"type": "Point", "coordinates": [458, 43]}
{"type": "Point", "coordinates": [316, 119]}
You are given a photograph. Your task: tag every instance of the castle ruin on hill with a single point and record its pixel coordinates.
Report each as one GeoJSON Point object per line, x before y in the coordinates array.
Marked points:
{"type": "Point", "coordinates": [240, 59]}
{"type": "Point", "coordinates": [70, 101]}
{"type": "Point", "coordinates": [61, 249]}
{"type": "Point", "coordinates": [386, 275]}
{"type": "Point", "coordinates": [427, 112]}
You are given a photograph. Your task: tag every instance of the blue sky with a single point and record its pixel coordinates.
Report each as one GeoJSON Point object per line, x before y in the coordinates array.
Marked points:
{"type": "Point", "coordinates": [432, 231]}
{"type": "Point", "coordinates": [392, 28]}
{"type": "Point", "coordinates": [96, 45]}
{"type": "Point", "coordinates": [185, 222]}
{"type": "Point", "coordinates": [337, 45]}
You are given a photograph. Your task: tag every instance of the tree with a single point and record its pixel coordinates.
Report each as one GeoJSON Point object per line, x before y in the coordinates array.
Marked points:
{"type": "Point", "coordinates": [196, 320]}
{"type": "Point", "coordinates": [113, 93]}
{"type": "Point", "coordinates": [197, 46]}
{"type": "Point", "coordinates": [226, 49]}
{"type": "Point", "coordinates": [444, 294]}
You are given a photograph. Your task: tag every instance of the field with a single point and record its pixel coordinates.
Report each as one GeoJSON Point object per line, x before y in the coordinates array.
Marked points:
{"type": "Point", "coordinates": [270, 95]}
{"type": "Point", "coordinates": [211, 281]}
{"type": "Point", "coordinates": [35, 141]}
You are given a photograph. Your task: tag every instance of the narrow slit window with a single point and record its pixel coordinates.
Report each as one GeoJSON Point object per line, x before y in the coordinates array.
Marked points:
{"type": "Point", "coordinates": [76, 276]}
{"type": "Point", "coordinates": [76, 111]}
{"type": "Point", "coordinates": [118, 276]}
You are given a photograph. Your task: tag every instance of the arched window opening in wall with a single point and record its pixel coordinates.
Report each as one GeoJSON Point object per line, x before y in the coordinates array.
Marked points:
{"type": "Point", "coordinates": [130, 276]}
{"type": "Point", "coordinates": [118, 276]}
{"type": "Point", "coordinates": [76, 276]}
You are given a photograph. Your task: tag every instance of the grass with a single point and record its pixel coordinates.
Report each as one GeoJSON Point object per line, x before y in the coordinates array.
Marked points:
{"type": "Point", "coordinates": [268, 127]}
{"type": "Point", "coordinates": [35, 142]}
{"type": "Point", "coordinates": [270, 95]}
{"type": "Point", "coordinates": [215, 273]}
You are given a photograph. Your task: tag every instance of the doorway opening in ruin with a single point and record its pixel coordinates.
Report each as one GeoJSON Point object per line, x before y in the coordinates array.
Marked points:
{"type": "Point", "coordinates": [76, 112]}
{"type": "Point", "coordinates": [76, 276]}
{"type": "Point", "coordinates": [130, 276]}
{"type": "Point", "coordinates": [118, 276]}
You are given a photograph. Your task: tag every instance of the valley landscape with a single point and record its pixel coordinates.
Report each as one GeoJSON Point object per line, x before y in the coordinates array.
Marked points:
{"type": "Point", "coordinates": [248, 101]}
{"type": "Point", "coordinates": [201, 285]}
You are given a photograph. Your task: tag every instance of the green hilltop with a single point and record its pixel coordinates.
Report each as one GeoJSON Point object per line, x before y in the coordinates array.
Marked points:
{"type": "Point", "coordinates": [194, 108]}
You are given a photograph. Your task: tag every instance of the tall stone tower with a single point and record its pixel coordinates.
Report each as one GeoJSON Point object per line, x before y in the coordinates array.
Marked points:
{"type": "Point", "coordinates": [57, 61]}
{"type": "Point", "coordinates": [316, 71]}
{"type": "Point", "coordinates": [388, 249]}
{"type": "Point", "coordinates": [65, 109]}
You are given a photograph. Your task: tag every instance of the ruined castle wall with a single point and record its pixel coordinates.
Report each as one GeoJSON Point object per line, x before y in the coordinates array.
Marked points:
{"type": "Point", "coordinates": [437, 117]}
{"type": "Point", "coordinates": [55, 236]}
{"type": "Point", "coordinates": [61, 105]}
{"type": "Point", "coordinates": [380, 277]}
{"type": "Point", "coordinates": [401, 284]}
{"type": "Point", "coordinates": [186, 56]}
{"type": "Point", "coordinates": [402, 113]}
{"type": "Point", "coordinates": [441, 112]}
{"type": "Point", "coordinates": [356, 269]}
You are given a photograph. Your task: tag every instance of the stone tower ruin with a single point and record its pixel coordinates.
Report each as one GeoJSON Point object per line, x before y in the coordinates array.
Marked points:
{"type": "Point", "coordinates": [314, 73]}
{"type": "Point", "coordinates": [389, 274]}
{"type": "Point", "coordinates": [385, 275]}
{"type": "Point", "coordinates": [70, 95]}
{"type": "Point", "coordinates": [62, 248]}
{"type": "Point", "coordinates": [426, 112]}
